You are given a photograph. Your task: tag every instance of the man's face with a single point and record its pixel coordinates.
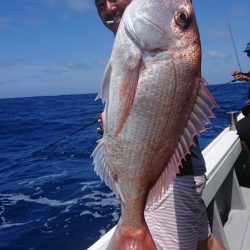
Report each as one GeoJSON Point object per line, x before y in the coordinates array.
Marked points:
{"type": "Point", "coordinates": [110, 12]}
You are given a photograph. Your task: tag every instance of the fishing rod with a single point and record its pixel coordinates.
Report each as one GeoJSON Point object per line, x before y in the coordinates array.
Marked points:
{"type": "Point", "coordinates": [40, 151]}
{"type": "Point", "coordinates": [231, 35]}
{"type": "Point", "coordinates": [232, 38]}
{"type": "Point", "coordinates": [69, 135]}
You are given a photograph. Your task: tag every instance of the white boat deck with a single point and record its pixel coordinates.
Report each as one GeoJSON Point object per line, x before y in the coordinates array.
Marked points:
{"type": "Point", "coordinates": [228, 204]}
{"type": "Point", "coordinates": [237, 228]}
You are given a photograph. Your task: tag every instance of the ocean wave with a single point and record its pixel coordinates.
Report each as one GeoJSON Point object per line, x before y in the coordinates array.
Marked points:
{"type": "Point", "coordinates": [8, 225]}
{"type": "Point", "coordinates": [15, 198]}
{"type": "Point", "coordinates": [57, 189]}
{"type": "Point", "coordinates": [41, 179]}
{"type": "Point", "coordinates": [95, 214]}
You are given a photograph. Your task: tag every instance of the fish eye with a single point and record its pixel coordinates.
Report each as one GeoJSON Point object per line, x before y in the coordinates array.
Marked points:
{"type": "Point", "coordinates": [182, 18]}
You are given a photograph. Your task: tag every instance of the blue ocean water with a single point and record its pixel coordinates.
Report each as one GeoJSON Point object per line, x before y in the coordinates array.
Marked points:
{"type": "Point", "coordinates": [53, 199]}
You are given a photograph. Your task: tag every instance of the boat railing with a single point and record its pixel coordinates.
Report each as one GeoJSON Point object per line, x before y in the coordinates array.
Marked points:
{"type": "Point", "coordinates": [222, 192]}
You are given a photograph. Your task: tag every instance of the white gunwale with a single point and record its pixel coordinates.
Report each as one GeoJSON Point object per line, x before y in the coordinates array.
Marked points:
{"type": "Point", "coordinates": [220, 156]}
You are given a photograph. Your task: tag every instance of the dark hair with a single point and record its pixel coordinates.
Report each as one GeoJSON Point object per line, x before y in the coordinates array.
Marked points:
{"type": "Point", "coordinates": [247, 49]}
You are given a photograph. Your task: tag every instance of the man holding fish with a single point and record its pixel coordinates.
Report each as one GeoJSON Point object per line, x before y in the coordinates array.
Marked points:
{"type": "Point", "coordinates": [175, 215]}
{"type": "Point", "coordinates": [240, 76]}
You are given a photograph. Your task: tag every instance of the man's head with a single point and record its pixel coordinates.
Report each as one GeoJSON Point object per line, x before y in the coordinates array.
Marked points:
{"type": "Point", "coordinates": [247, 50]}
{"type": "Point", "coordinates": [110, 12]}
{"type": "Point", "coordinates": [246, 109]}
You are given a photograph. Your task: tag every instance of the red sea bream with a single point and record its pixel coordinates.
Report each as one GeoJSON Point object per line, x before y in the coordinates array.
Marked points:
{"type": "Point", "coordinates": [155, 103]}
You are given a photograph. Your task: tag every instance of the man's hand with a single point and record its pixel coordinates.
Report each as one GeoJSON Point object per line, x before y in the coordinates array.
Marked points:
{"type": "Point", "coordinates": [242, 78]}
{"type": "Point", "coordinates": [234, 73]}
{"type": "Point", "coordinates": [100, 122]}
{"type": "Point", "coordinates": [239, 76]}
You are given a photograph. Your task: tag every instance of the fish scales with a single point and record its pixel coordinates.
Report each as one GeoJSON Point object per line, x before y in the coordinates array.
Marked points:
{"type": "Point", "coordinates": [151, 86]}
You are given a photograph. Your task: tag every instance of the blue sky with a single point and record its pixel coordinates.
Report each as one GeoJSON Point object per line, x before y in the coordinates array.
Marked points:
{"type": "Point", "coordinates": [54, 47]}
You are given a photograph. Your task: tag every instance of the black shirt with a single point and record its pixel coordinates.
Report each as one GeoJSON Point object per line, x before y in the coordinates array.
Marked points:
{"type": "Point", "coordinates": [243, 128]}
{"type": "Point", "coordinates": [195, 163]}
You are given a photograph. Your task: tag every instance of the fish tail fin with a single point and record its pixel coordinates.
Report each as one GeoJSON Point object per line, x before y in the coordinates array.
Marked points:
{"type": "Point", "coordinates": [125, 238]}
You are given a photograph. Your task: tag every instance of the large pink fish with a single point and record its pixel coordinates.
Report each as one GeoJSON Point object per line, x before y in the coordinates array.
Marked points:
{"type": "Point", "coordinates": [156, 102]}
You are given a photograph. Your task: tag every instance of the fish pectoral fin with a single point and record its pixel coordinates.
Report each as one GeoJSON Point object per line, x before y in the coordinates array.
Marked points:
{"type": "Point", "coordinates": [127, 93]}
{"type": "Point", "coordinates": [104, 90]}
{"type": "Point", "coordinates": [199, 116]}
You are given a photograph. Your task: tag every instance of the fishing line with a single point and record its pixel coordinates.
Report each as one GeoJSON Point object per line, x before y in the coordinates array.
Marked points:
{"type": "Point", "coordinates": [231, 35]}
{"type": "Point", "coordinates": [69, 135]}
{"type": "Point", "coordinates": [232, 38]}
{"type": "Point", "coordinates": [234, 46]}
{"type": "Point", "coordinates": [40, 151]}
{"type": "Point", "coordinates": [219, 85]}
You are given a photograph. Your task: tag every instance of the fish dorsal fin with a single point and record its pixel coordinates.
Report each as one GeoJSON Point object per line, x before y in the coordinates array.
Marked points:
{"type": "Point", "coordinates": [127, 93]}
{"type": "Point", "coordinates": [104, 90]}
{"type": "Point", "coordinates": [199, 116]}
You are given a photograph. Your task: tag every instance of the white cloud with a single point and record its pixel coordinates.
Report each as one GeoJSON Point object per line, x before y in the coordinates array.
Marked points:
{"type": "Point", "coordinates": [101, 62]}
{"type": "Point", "coordinates": [5, 22]}
{"type": "Point", "coordinates": [9, 63]}
{"type": "Point", "coordinates": [240, 12]}
{"type": "Point", "coordinates": [76, 66]}
{"type": "Point", "coordinates": [217, 55]}
{"type": "Point", "coordinates": [219, 32]}
{"type": "Point", "coordinates": [78, 5]}
{"type": "Point", "coordinates": [53, 70]}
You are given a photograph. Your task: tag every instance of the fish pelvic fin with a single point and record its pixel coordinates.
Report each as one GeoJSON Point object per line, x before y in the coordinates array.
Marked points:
{"type": "Point", "coordinates": [200, 115]}
{"type": "Point", "coordinates": [127, 93]}
{"type": "Point", "coordinates": [101, 166]}
{"type": "Point", "coordinates": [126, 237]}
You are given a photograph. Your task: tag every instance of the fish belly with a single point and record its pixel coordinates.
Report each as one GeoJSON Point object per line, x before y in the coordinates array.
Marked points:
{"type": "Point", "coordinates": [162, 106]}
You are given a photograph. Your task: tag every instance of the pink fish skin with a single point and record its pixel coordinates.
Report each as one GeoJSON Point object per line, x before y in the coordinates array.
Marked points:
{"type": "Point", "coordinates": [155, 103]}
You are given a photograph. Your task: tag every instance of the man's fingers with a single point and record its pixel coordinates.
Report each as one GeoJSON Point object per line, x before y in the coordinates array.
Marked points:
{"type": "Point", "coordinates": [234, 73]}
